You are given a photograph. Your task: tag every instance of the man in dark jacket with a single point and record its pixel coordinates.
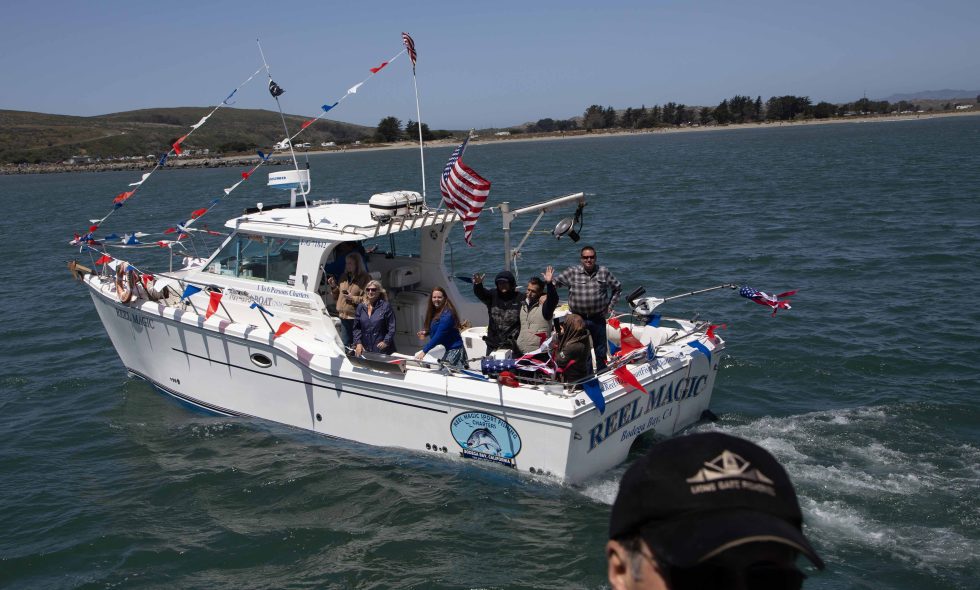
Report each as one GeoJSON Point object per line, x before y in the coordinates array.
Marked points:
{"type": "Point", "coordinates": [504, 307]}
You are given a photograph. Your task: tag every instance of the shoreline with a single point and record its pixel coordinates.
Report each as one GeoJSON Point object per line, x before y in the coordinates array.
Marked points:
{"type": "Point", "coordinates": [282, 157]}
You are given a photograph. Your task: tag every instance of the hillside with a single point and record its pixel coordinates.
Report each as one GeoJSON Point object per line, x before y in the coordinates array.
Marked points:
{"type": "Point", "coordinates": [39, 137]}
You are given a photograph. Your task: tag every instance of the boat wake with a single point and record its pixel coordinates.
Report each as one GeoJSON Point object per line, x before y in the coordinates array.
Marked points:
{"type": "Point", "coordinates": [867, 477]}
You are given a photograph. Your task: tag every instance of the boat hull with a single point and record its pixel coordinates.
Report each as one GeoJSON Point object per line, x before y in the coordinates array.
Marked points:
{"type": "Point", "coordinates": [247, 372]}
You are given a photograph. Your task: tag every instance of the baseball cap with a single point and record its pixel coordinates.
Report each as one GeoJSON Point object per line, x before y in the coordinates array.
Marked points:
{"type": "Point", "coordinates": [693, 497]}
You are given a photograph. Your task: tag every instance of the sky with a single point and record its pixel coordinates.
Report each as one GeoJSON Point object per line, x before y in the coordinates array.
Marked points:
{"type": "Point", "coordinates": [487, 64]}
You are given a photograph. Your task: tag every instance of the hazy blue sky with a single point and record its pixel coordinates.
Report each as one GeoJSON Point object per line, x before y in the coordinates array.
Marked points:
{"type": "Point", "coordinates": [480, 64]}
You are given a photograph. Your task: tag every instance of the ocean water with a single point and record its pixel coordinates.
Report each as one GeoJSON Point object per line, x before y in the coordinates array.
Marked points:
{"type": "Point", "coordinates": [866, 390]}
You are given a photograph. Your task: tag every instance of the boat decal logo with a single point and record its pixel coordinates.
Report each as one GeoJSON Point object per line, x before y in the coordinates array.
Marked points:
{"type": "Point", "coordinates": [729, 471]}
{"type": "Point", "coordinates": [486, 437]}
{"type": "Point", "coordinates": [663, 394]}
{"type": "Point", "coordinates": [136, 318]}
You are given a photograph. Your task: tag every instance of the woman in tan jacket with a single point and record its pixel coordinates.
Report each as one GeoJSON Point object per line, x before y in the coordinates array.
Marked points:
{"type": "Point", "coordinates": [348, 294]}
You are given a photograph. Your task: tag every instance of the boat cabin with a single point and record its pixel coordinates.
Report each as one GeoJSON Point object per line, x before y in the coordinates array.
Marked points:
{"type": "Point", "coordinates": [280, 257]}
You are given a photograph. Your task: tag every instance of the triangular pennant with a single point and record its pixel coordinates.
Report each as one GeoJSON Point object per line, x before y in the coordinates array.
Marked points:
{"type": "Point", "coordinates": [201, 122]}
{"type": "Point", "coordinates": [188, 291]}
{"type": "Point", "coordinates": [141, 181]}
{"type": "Point", "coordinates": [261, 309]}
{"type": "Point", "coordinates": [283, 328]}
{"type": "Point", "coordinates": [176, 144]}
{"type": "Point", "coordinates": [245, 175]}
{"type": "Point", "coordinates": [327, 107]}
{"type": "Point", "coordinates": [307, 123]}
{"type": "Point", "coordinates": [121, 197]}
{"type": "Point", "coordinates": [507, 379]}
{"type": "Point", "coordinates": [197, 213]}
{"type": "Point", "coordinates": [711, 330]}
{"type": "Point", "coordinates": [104, 259]}
{"type": "Point", "coordinates": [379, 68]}
{"type": "Point", "coordinates": [232, 187]}
{"type": "Point", "coordinates": [594, 391]}
{"type": "Point", "coordinates": [626, 378]}
{"type": "Point", "coordinates": [146, 278]}
{"type": "Point", "coordinates": [213, 301]}
{"type": "Point", "coordinates": [628, 342]}
{"type": "Point", "coordinates": [701, 348]}
{"type": "Point", "coordinates": [353, 89]}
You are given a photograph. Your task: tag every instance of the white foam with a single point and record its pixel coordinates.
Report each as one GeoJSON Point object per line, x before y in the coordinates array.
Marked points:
{"type": "Point", "coordinates": [834, 523]}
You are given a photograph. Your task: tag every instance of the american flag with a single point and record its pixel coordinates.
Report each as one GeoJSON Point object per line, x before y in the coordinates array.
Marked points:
{"type": "Point", "coordinates": [410, 46]}
{"type": "Point", "coordinates": [763, 298]}
{"type": "Point", "coordinates": [464, 191]}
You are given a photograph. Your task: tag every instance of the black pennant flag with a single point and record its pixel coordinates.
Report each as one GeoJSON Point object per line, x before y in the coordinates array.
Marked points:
{"type": "Point", "coordinates": [274, 89]}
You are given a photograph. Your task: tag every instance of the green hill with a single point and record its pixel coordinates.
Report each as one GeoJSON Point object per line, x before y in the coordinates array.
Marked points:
{"type": "Point", "coordinates": [40, 137]}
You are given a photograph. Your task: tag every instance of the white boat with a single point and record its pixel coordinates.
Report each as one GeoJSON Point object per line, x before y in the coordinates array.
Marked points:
{"type": "Point", "coordinates": [233, 363]}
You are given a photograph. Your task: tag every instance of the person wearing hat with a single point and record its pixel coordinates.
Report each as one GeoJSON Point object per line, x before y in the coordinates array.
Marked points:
{"type": "Point", "coordinates": [504, 308]}
{"type": "Point", "coordinates": [706, 511]}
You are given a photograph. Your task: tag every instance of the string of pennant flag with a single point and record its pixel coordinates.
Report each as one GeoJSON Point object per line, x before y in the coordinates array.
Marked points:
{"type": "Point", "coordinates": [183, 228]}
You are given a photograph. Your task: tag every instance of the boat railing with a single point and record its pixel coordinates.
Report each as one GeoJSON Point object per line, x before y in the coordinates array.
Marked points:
{"type": "Point", "coordinates": [394, 224]}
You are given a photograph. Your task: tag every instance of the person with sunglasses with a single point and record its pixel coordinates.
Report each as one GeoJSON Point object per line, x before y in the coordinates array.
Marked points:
{"type": "Point", "coordinates": [593, 292]}
{"type": "Point", "coordinates": [707, 511]}
{"type": "Point", "coordinates": [374, 322]}
{"type": "Point", "coordinates": [348, 294]}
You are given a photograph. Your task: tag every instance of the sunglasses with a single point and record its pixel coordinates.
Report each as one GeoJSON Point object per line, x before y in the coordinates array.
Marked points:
{"type": "Point", "coordinates": [588, 257]}
{"type": "Point", "coordinates": [371, 290]}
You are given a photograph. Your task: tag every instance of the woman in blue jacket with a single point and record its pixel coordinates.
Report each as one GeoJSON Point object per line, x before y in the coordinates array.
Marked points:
{"type": "Point", "coordinates": [444, 328]}
{"type": "Point", "coordinates": [374, 322]}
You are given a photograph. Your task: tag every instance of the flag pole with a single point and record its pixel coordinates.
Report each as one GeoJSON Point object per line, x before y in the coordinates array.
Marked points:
{"type": "Point", "coordinates": [418, 113]}
{"type": "Point", "coordinates": [413, 56]}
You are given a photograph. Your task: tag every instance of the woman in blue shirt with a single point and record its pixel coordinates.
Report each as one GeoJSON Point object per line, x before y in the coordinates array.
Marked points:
{"type": "Point", "coordinates": [374, 322]}
{"type": "Point", "coordinates": [444, 328]}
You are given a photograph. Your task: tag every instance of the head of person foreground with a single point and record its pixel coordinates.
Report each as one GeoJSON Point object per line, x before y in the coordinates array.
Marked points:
{"type": "Point", "coordinates": [706, 511]}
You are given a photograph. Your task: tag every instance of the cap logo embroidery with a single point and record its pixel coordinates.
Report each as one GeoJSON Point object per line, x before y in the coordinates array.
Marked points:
{"type": "Point", "coordinates": [729, 471]}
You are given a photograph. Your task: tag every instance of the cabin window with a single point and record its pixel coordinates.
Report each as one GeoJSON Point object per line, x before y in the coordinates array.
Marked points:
{"type": "Point", "coordinates": [258, 258]}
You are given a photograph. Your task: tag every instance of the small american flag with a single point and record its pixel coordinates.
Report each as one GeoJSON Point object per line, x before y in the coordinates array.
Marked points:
{"type": "Point", "coordinates": [763, 298]}
{"type": "Point", "coordinates": [410, 46]}
{"type": "Point", "coordinates": [464, 191]}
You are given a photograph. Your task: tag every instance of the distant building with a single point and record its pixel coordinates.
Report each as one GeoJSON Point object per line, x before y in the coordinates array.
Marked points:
{"type": "Point", "coordinates": [502, 133]}
{"type": "Point", "coordinates": [963, 107]}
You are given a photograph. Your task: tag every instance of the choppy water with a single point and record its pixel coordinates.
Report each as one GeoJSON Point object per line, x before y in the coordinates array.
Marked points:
{"type": "Point", "coordinates": [866, 390]}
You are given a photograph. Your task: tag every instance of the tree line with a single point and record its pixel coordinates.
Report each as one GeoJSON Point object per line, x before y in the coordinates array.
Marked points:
{"type": "Point", "coordinates": [735, 110]}
{"type": "Point", "coordinates": [390, 130]}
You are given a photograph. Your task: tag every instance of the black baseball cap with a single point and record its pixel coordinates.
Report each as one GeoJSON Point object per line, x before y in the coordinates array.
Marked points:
{"type": "Point", "coordinates": [693, 497]}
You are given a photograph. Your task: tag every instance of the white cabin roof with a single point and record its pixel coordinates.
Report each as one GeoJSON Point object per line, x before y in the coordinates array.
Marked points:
{"type": "Point", "coordinates": [335, 222]}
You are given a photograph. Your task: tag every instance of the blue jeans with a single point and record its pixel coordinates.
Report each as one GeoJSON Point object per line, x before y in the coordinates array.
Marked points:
{"type": "Point", "coordinates": [347, 332]}
{"type": "Point", "coordinates": [596, 324]}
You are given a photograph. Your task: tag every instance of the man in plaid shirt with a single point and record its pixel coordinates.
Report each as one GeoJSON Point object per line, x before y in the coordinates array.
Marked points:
{"type": "Point", "coordinates": [593, 292]}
